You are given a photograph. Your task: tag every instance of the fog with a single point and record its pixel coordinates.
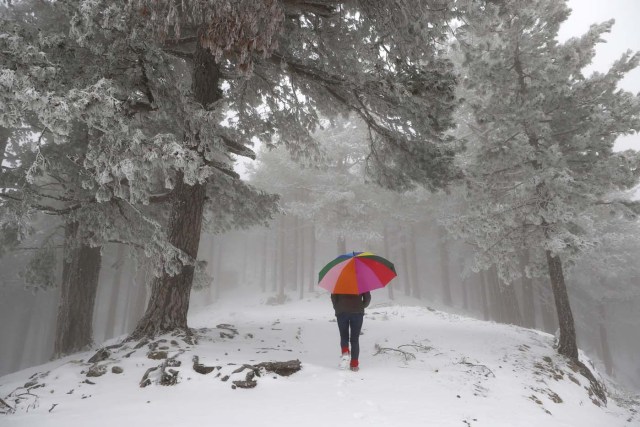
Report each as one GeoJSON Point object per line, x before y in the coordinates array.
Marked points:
{"type": "Point", "coordinates": [277, 261]}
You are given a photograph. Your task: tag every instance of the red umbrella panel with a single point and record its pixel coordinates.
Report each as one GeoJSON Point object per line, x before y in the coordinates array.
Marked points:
{"type": "Point", "coordinates": [355, 273]}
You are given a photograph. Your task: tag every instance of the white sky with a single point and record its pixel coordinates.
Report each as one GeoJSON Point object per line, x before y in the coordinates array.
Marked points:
{"type": "Point", "coordinates": [625, 35]}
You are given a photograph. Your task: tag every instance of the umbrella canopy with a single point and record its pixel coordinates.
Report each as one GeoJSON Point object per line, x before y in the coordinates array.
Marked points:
{"type": "Point", "coordinates": [355, 273]}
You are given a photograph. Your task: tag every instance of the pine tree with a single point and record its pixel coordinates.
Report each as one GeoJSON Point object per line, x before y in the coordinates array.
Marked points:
{"type": "Point", "coordinates": [542, 133]}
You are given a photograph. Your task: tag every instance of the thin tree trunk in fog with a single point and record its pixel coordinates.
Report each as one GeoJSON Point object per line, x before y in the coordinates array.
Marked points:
{"type": "Point", "coordinates": [413, 263]}
{"type": "Point", "coordinates": [342, 245]}
{"type": "Point", "coordinates": [483, 295]}
{"type": "Point", "coordinates": [295, 253]}
{"type": "Point", "coordinates": [312, 258]}
{"type": "Point", "coordinates": [80, 272]}
{"type": "Point", "coordinates": [465, 296]}
{"type": "Point", "coordinates": [386, 254]}
{"type": "Point", "coordinates": [274, 263]}
{"type": "Point", "coordinates": [116, 285]}
{"type": "Point", "coordinates": [134, 308]}
{"type": "Point", "coordinates": [407, 274]}
{"type": "Point", "coordinates": [282, 260]}
{"type": "Point", "coordinates": [607, 359]}
{"type": "Point", "coordinates": [169, 301]}
{"type": "Point", "coordinates": [213, 271]}
{"type": "Point", "coordinates": [547, 313]}
{"type": "Point", "coordinates": [510, 305]}
{"type": "Point", "coordinates": [444, 267]}
{"type": "Point", "coordinates": [301, 260]}
{"type": "Point", "coordinates": [263, 264]}
{"type": "Point", "coordinates": [528, 301]}
{"type": "Point", "coordinates": [495, 300]}
{"type": "Point", "coordinates": [245, 260]}
{"type": "Point", "coordinates": [567, 345]}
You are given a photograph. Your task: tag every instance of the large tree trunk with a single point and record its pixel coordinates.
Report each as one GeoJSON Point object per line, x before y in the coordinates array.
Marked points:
{"type": "Point", "coordinates": [169, 301]}
{"type": "Point", "coordinates": [567, 345]}
{"type": "Point", "coordinates": [80, 272]}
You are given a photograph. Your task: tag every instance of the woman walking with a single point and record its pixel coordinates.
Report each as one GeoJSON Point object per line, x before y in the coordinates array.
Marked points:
{"type": "Point", "coordinates": [350, 315]}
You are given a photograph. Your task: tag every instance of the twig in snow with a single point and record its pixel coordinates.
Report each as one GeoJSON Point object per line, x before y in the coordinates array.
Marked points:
{"type": "Point", "coordinates": [53, 406]}
{"type": "Point", "coordinates": [486, 368]}
{"type": "Point", "coordinates": [407, 355]}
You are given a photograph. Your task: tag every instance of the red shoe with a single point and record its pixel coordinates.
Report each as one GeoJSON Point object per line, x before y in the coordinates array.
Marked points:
{"type": "Point", "coordinates": [354, 365]}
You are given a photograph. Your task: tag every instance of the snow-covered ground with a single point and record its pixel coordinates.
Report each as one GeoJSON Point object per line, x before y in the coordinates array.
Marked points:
{"type": "Point", "coordinates": [419, 367]}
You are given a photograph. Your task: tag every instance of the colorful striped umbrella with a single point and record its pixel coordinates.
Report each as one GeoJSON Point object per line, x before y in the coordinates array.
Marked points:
{"type": "Point", "coordinates": [356, 273]}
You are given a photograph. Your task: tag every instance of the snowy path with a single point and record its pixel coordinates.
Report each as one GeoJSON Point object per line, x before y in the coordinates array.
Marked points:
{"type": "Point", "coordinates": [465, 373]}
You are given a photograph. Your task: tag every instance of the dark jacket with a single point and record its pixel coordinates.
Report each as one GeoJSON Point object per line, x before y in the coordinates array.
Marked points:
{"type": "Point", "coordinates": [350, 303]}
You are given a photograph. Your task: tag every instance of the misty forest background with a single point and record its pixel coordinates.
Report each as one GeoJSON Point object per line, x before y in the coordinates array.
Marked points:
{"type": "Point", "coordinates": [458, 139]}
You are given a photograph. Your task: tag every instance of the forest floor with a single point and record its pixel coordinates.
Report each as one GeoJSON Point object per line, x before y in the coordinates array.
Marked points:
{"type": "Point", "coordinates": [419, 367]}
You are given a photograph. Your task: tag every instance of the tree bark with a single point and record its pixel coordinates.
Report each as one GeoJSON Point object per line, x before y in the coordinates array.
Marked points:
{"type": "Point", "coordinates": [567, 344]}
{"type": "Point", "coordinates": [169, 301]}
{"type": "Point", "coordinates": [80, 272]}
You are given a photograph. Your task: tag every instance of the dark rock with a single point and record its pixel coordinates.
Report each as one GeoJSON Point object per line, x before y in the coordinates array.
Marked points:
{"type": "Point", "coordinates": [169, 377]}
{"type": "Point", "coordinates": [281, 368]}
{"type": "Point", "coordinates": [101, 355]}
{"type": "Point", "coordinates": [157, 355]}
{"type": "Point", "coordinates": [145, 381]}
{"type": "Point", "coordinates": [245, 384]}
{"type": "Point", "coordinates": [97, 370]}
{"type": "Point", "coordinates": [117, 370]}
{"type": "Point", "coordinates": [200, 368]}
{"type": "Point", "coordinates": [129, 354]}
{"type": "Point", "coordinates": [141, 344]}
{"type": "Point", "coordinates": [225, 378]}
{"type": "Point", "coordinates": [87, 382]}
{"type": "Point", "coordinates": [30, 384]}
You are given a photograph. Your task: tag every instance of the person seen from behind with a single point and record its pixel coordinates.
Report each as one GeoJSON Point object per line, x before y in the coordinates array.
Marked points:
{"type": "Point", "coordinates": [350, 315]}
